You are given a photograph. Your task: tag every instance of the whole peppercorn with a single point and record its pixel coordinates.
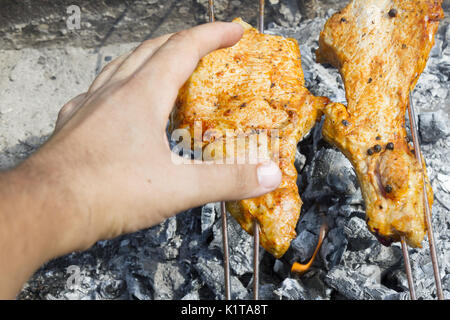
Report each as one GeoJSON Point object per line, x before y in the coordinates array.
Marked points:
{"type": "Point", "coordinates": [345, 122]}
{"type": "Point", "coordinates": [378, 138]}
{"type": "Point", "coordinates": [388, 189]}
{"type": "Point", "coordinates": [370, 152]}
{"type": "Point", "coordinates": [390, 146]}
{"type": "Point", "coordinates": [377, 148]}
{"type": "Point", "coordinates": [392, 13]}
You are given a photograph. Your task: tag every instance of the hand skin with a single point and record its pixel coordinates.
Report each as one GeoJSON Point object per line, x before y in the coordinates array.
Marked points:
{"type": "Point", "coordinates": [107, 169]}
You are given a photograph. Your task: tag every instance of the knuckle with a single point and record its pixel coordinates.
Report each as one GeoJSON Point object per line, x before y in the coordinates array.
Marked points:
{"type": "Point", "coordinates": [70, 107]}
{"type": "Point", "coordinates": [66, 109]}
{"type": "Point", "coordinates": [185, 39]}
{"type": "Point", "coordinates": [183, 35]}
{"type": "Point", "coordinates": [144, 46]}
{"type": "Point", "coordinates": [109, 66]}
{"type": "Point", "coordinates": [115, 63]}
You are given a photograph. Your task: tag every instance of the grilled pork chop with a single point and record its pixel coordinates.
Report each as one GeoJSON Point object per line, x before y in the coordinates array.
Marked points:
{"type": "Point", "coordinates": [381, 48]}
{"type": "Point", "coordinates": [255, 86]}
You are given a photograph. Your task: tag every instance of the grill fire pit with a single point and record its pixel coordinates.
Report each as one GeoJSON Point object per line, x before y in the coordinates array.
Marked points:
{"type": "Point", "coordinates": [182, 258]}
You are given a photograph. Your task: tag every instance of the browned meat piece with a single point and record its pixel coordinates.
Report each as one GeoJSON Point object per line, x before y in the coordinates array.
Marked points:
{"type": "Point", "coordinates": [257, 85]}
{"type": "Point", "coordinates": [381, 48]}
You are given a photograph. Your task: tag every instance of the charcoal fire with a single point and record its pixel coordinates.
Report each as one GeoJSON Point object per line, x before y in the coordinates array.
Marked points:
{"type": "Point", "coordinates": [182, 257]}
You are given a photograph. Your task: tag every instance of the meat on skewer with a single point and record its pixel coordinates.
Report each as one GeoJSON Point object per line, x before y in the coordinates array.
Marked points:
{"type": "Point", "coordinates": [381, 48]}
{"type": "Point", "coordinates": [255, 87]}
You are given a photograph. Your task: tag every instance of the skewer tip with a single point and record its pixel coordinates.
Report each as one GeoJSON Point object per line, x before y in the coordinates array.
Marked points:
{"type": "Point", "coordinates": [409, 276]}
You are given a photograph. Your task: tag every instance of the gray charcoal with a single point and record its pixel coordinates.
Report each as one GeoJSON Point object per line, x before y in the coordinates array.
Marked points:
{"type": "Point", "coordinates": [165, 278]}
{"type": "Point", "coordinates": [433, 126]}
{"type": "Point", "coordinates": [311, 221]}
{"type": "Point", "coordinates": [358, 236]}
{"type": "Point", "coordinates": [446, 282]}
{"type": "Point", "coordinates": [333, 247]}
{"type": "Point", "coordinates": [384, 257]}
{"type": "Point", "coordinates": [330, 175]}
{"type": "Point", "coordinates": [240, 245]}
{"type": "Point", "coordinates": [291, 289]}
{"type": "Point", "coordinates": [136, 290]}
{"type": "Point", "coordinates": [355, 286]}
{"type": "Point", "coordinates": [303, 245]}
{"type": "Point", "coordinates": [194, 295]}
{"type": "Point", "coordinates": [163, 232]}
{"type": "Point", "coordinates": [112, 288]}
{"type": "Point", "coordinates": [305, 242]}
{"type": "Point", "coordinates": [300, 161]}
{"type": "Point", "coordinates": [209, 212]}
{"type": "Point", "coordinates": [317, 288]}
{"type": "Point", "coordinates": [378, 292]}
{"type": "Point", "coordinates": [266, 292]}
{"type": "Point", "coordinates": [396, 279]}
{"type": "Point", "coordinates": [211, 272]}
{"type": "Point", "coordinates": [171, 250]}
{"type": "Point", "coordinates": [371, 273]}
{"type": "Point", "coordinates": [281, 268]}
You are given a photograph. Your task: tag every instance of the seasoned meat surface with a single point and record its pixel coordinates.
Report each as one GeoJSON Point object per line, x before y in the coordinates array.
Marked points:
{"type": "Point", "coordinates": [381, 48]}
{"type": "Point", "coordinates": [254, 87]}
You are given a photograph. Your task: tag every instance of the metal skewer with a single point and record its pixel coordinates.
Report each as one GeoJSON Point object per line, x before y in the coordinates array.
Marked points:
{"type": "Point", "coordinates": [226, 259]}
{"type": "Point", "coordinates": [211, 11]}
{"type": "Point", "coordinates": [255, 222]}
{"type": "Point", "coordinates": [412, 290]}
{"type": "Point", "coordinates": [255, 260]}
{"type": "Point", "coordinates": [417, 150]}
{"type": "Point", "coordinates": [223, 209]}
{"type": "Point", "coordinates": [261, 16]}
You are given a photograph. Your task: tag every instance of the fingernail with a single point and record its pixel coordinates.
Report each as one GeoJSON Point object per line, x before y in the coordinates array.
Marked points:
{"type": "Point", "coordinates": [269, 175]}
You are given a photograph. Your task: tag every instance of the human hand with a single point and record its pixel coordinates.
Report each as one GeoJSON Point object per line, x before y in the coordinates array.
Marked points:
{"type": "Point", "coordinates": [111, 153]}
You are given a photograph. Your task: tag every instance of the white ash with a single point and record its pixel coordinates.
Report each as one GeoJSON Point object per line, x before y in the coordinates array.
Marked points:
{"type": "Point", "coordinates": [182, 258]}
{"type": "Point", "coordinates": [292, 289]}
{"type": "Point", "coordinates": [209, 215]}
{"type": "Point", "coordinates": [356, 285]}
{"type": "Point", "coordinates": [358, 236]}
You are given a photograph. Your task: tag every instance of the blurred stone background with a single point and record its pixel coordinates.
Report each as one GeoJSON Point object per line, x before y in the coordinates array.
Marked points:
{"type": "Point", "coordinates": [32, 23]}
{"type": "Point", "coordinates": [42, 23]}
{"type": "Point", "coordinates": [43, 64]}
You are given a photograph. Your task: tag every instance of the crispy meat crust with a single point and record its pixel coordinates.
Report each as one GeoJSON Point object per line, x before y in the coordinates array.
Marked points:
{"type": "Point", "coordinates": [381, 48]}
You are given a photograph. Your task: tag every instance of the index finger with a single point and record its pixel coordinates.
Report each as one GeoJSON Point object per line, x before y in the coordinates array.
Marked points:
{"type": "Point", "coordinates": [173, 63]}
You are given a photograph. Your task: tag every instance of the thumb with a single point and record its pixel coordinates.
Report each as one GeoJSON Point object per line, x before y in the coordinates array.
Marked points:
{"type": "Point", "coordinates": [225, 182]}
